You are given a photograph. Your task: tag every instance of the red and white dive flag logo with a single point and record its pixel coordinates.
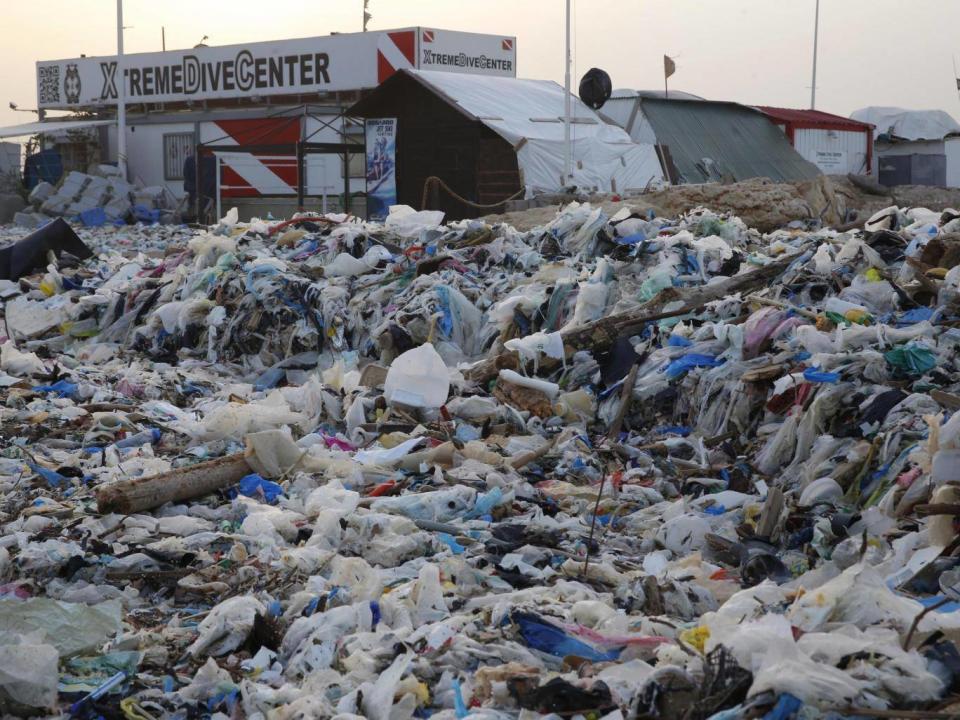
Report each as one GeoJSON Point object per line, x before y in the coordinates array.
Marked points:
{"type": "Point", "coordinates": [396, 51]}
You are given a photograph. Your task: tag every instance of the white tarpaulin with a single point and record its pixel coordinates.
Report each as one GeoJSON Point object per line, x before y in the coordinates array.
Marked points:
{"type": "Point", "coordinates": [908, 124]}
{"type": "Point", "coordinates": [529, 115]}
{"type": "Point", "coordinates": [35, 128]}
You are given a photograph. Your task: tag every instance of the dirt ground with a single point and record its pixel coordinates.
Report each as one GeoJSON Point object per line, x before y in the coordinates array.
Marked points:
{"type": "Point", "coordinates": [762, 203]}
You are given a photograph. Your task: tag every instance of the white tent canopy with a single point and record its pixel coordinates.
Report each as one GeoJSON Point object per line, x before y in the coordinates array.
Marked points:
{"type": "Point", "coordinates": [34, 128]}
{"type": "Point", "coordinates": [529, 115]}
{"type": "Point", "coordinates": [908, 124]}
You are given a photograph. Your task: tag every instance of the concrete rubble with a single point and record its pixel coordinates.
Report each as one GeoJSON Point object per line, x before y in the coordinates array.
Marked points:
{"type": "Point", "coordinates": [614, 464]}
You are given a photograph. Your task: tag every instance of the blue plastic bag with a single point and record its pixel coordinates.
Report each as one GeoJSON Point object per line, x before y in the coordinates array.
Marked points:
{"type": "Point", "coordinates": [61, 388]}
{"type": "Point", "coordinates": [787, 707]}
{"type": "Point", "coordinates": [95, 217]}
{"type": "Point", "coordinates": [815, 375]}
{"type": "Point", "coordinates": [53, 478]}
{"type": "Point", "coordinates": [917, 315]}
{"type": "Point", "coordinates": [144, 214]}
{"type": "Point", "coordinates": [485, 503]}
{"type": "Point", "coordinates": [255, 486]}
{"type": "Point", "coordinates": [681, 430]}
{"type": "Point", "coordinates": [459, 706]}
{"type": "Point", "coordinates": [451, 542]}
{"type": "Point", "coordinates": [682, 365]}
{"type": "Point", "coordinates": [630, 239]}
{"type": "Point", "coordinates": [541, 635]}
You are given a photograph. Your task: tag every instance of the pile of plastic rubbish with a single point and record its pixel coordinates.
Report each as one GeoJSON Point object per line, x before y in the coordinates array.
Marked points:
{"type": "Point", "coordinates": [611, 467]}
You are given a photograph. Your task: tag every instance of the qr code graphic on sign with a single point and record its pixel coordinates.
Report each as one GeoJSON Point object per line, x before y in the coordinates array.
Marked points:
{"type": "Point", "coordinates": [49, 90]}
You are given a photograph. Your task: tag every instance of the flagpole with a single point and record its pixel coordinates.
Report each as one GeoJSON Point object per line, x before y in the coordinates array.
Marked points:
{"type": "Point", "coordinates": [668, 69]}
{"type": "Point", "coordinates": [567, 162]}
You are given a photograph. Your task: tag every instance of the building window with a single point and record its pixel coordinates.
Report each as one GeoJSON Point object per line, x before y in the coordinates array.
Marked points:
{"type": "Point", "coordinates": [177, 147]}
{"type": "Point", "coordinates": [358, 164]}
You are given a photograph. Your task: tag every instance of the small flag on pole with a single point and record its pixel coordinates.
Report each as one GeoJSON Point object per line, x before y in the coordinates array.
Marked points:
{"type": "Point", "coordinates": [669, 66]}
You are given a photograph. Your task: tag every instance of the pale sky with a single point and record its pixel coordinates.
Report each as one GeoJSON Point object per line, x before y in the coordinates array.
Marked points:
{"type": "Point", "coordinates": [872, 52]}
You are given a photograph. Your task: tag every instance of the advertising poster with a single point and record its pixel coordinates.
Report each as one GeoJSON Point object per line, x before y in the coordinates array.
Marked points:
{"type": "Point", "coordinates": [381, 167]}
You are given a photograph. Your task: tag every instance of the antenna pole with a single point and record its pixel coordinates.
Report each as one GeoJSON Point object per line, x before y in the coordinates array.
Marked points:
{"type": "Point", "coordinates": [567, 160]}
{"type": "Point", "coordinates": [121, 98]}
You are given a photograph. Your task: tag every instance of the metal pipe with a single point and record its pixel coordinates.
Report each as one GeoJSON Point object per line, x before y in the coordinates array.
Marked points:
{"type": "Point", "coordinates": [121, 98]}
{"type": "Point", "coordinates": [816, 35]}
{"type": "Point", "coordinates": [567, 159]}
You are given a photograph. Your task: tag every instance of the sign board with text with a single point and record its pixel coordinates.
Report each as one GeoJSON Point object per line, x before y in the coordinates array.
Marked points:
{"type": "Point", "coordinates": [304, 66]}
{"type": "Point", "coordinates": [831, 162]}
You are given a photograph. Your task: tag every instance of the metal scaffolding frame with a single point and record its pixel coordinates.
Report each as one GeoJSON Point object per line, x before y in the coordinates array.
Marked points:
{"type": "Point", "coordinates": [301, 149]}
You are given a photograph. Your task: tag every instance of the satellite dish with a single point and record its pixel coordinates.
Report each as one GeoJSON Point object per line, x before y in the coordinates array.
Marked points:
{"type": "Point", "coordinates": [595, 88]}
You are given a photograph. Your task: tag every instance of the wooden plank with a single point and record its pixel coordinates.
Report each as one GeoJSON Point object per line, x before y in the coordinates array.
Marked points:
{"type": "Point", "coordinates": [145, 493]}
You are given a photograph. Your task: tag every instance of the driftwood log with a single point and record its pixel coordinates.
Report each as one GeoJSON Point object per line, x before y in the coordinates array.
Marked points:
{"type": "Point", "coordinates": [145, 493]}
{"type": "Point", "coordinates": [599, 335]}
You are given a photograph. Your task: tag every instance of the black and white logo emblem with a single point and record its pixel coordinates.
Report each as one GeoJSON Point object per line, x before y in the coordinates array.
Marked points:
{"type": "Point", "coordinates": [71, 84]}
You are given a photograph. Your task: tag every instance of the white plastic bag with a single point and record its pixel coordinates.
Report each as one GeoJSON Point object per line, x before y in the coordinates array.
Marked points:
{"type": "Point", "coordinates": [404, 220]}
{"type": "Point", "coordinates": [378, 702]}
{"type": "Point", "coordinates": [418, 378]}
{"type": "Point", "coordinates": [71, 628]}
{"type": "Point", "coordinates": [29, 675]}
{"type": "Point", "coordinates": [345, 265]}
{"type": "Point", "coordinates": [227, 626]}
{"type": "Point", "coordinates": [19, 363]}
{"type": "Point", "coordinates": [683, 534]}
{"type": "Point", "coordinates": [787, 670]}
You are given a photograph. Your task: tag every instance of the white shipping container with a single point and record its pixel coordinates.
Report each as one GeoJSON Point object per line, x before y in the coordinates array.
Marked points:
{"type": "Point", "coordinates": [835, 152]}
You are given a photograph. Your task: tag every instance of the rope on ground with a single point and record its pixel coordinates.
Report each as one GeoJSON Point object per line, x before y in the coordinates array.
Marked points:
{"type": "Point", "coordinates": [434, 180]}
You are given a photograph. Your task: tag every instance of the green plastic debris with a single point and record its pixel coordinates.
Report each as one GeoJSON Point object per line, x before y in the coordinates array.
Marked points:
{"type": "Point", "coordinates": [86, 674]}
{"type": "Point", "coordinates": [911, 359]}
{"type": "Point", "coordinates": [654, 284]}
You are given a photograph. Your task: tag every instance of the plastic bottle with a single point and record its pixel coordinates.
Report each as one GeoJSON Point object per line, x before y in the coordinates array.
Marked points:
{"type": "Point", "coordinates": [848, 311]}
{"type": "Point", "coordinates": [146, 437]}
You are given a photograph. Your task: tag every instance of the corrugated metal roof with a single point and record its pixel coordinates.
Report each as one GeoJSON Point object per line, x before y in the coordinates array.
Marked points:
{"type": "Point", "coordinates": [813, 118]}
{"type": "Point", "coordinates": [621, 93]}
{"type": "Point", "coordinates": [50, 126]}
{"type": "Point", "coordinates": [711, 141]}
